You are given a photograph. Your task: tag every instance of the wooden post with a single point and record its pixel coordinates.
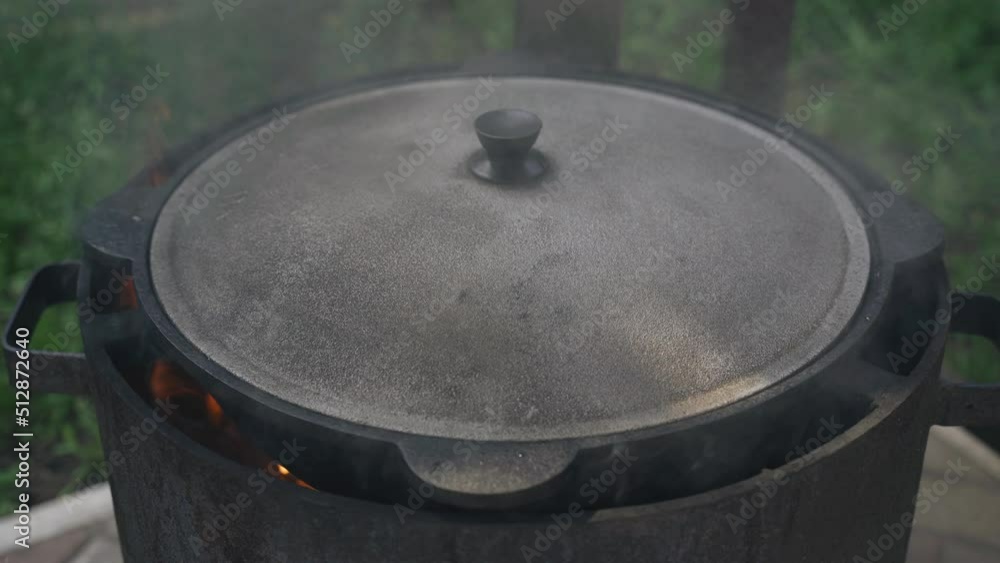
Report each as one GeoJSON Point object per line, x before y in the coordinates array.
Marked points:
{"type": "Point", "coordinates": [584, 34]}
{"type": "Point", "coordinates": [756, 54]}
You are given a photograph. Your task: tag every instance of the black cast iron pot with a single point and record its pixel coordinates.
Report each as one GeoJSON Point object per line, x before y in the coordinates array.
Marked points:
{"type": "Point", "coordinates": [558, 318]}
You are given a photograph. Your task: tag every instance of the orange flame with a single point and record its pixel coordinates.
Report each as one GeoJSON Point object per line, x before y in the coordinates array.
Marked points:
{"type": "Point", "coordinates": [127, 299]}
{"type": "Point", "coordinates": [202, 418]}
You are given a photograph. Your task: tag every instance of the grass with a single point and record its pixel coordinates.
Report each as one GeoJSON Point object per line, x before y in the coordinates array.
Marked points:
{"type": "Point", "coordinates": [940, 69]}
{"type": "Point", "coordinates": [54, 86]}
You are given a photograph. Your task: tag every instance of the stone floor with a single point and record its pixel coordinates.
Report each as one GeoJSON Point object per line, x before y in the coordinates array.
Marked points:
{"type": "Point", "coordinates": [962, 527]}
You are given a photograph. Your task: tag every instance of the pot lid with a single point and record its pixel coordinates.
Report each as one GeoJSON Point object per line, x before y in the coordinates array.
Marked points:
{"type": "Point", "coordinates": [659, 258]}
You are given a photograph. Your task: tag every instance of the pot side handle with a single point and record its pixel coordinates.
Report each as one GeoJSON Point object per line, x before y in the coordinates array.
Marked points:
{"type": "Point", "coordinates": [49, 371]}
{"type": "Point", "coordinates": [967, 404]}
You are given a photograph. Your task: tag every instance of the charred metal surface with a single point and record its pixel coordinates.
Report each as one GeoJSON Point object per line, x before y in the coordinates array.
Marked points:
{"type": "Point", "coordinates": [177, 502]}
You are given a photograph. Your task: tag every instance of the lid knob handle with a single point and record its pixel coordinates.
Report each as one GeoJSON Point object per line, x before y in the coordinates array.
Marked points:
{"type": "Point", "coordinates": [507, 136]}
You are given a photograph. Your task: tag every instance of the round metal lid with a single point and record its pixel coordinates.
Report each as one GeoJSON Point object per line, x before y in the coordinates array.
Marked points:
{"type": "Point", "coordinates": [635, 284]}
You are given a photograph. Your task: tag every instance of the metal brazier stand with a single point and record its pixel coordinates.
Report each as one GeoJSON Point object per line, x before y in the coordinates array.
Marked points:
{"type": "Point", "coordinates": [818, 466]}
